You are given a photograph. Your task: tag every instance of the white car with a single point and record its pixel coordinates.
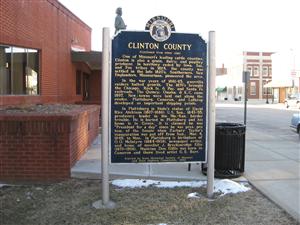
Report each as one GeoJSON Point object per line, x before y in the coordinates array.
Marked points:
{"type": "Point", "coordinates": [293, 101]}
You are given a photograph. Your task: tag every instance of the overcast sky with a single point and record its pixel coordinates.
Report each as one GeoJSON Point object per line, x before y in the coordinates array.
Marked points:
{"type": "Point", "coordinates": [240, 25]}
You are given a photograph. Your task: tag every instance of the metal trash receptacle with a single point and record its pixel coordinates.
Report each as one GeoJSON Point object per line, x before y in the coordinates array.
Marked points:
{"type": "Point", "coordinates": [229, 150]}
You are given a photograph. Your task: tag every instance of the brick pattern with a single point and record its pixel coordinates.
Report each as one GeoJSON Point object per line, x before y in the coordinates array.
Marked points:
{"type": "Point", "coordinates": [50, 27]}
{"type": "Point", "coordinates": [39, 147]}
{"type": "Point", "coordinates": [82, 133]}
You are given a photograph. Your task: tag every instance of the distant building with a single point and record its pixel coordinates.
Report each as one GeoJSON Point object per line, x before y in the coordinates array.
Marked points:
{"type": "Point", "coordinates": [286, 74]}
{"type": "Point", "coordinates": [230, 85]}
{"type": "Point", "coordinates": [221, 71]}
{"type": "Point", "coordinates": [259, 64]}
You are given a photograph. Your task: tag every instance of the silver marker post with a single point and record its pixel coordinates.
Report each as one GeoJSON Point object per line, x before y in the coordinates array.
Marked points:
{"type": "Point", "coordinates": [211, 115]}
{"type": "Point", "coordinates": [105, 84]}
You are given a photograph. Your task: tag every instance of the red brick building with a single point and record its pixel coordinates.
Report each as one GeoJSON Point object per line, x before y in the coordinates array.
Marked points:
{"type": "Point", "coordinates": [259, 64]}
{"type": "Point", "coordinates": [45, 57]}
{"type": "Point", "coordinates": [37, 64]}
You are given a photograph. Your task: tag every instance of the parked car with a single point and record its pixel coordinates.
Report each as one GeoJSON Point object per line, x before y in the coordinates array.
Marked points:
{"type": "Point", "coordinates": [293, 100]}
{"type": "Point", "coordinates": [295, 122]}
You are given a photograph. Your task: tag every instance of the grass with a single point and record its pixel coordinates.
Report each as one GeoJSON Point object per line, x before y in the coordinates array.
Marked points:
{"type": "Point", "coordinates": [70, 202]}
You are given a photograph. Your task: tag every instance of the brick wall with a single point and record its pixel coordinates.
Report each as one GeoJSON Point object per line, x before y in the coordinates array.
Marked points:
{"type": "Point", "coordinates": [45, 147]}
{"type": "Point", "coordinates": [83, 131]}
{"type": "Point", "coordinates": [48, 26]}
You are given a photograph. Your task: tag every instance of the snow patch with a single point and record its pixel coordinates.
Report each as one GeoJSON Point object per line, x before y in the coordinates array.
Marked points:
{"type": "Point", "coordinates": [139, 183]}
{"type": "Point", "coordinates": [3, 185]}
{"type": "Point", "coordinates": [193, 195]}
{"type": "Point", "coordinates": [227, 186]}
{"type": "Point", "coordinates": [224, 186]}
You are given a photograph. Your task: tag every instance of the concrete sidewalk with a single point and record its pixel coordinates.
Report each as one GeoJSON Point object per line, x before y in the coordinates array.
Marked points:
{"type": "Point", "coordinates": [273, 167]}
{"type": "Point", "coordinates": [89, 166]}
{"type": "Point", "coordinates": [275, 174]}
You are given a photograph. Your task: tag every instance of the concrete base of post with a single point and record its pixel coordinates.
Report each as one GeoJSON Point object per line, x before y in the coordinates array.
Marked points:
{"type": "Point", "coordinates": [99, 205]}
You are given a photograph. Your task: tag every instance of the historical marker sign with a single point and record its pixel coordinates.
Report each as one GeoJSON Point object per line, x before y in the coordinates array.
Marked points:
{"type": "Point", "coordinates": [158, 97]}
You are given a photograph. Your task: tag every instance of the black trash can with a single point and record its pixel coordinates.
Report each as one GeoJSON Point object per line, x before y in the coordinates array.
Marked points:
{"type": "Point", "coordinates": [229, 150]}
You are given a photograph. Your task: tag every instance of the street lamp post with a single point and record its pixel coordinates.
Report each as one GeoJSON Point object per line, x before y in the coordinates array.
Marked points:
{"type": "Point", "coordinates": [267, 101]}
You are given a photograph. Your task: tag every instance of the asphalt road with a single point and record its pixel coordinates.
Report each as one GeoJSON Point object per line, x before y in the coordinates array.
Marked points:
{"type": "Point", "coordinates": [273, 122]}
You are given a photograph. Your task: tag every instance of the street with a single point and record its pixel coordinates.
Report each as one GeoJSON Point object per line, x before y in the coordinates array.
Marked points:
{"type": "Point", "coordinates": [272, 161]}
{"type": "Point", "coordinates": [268, 122]}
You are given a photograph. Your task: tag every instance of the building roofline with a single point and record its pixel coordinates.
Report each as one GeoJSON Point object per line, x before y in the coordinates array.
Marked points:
{"type": "Point", "coordinates": [66, 11]}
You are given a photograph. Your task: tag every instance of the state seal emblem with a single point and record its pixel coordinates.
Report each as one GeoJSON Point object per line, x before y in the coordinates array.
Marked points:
{"type": "Point", "coordinates": [160, 28]}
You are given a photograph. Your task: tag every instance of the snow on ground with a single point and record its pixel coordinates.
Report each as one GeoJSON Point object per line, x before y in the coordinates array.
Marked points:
{"type": "Point", "coordinates": [139, 183]}
{"type": "Point", "coordinates": [193, 195]}
{"type": "Point", "coordinates": [224, 186]}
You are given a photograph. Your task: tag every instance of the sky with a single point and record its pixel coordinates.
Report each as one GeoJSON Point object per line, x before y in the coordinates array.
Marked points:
{"type": "Point", "coordinates": [240, 25]}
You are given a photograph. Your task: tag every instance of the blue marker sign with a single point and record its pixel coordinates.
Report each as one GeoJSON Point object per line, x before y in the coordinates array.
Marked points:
{"type": "Point", "coordinates": [158, 96]}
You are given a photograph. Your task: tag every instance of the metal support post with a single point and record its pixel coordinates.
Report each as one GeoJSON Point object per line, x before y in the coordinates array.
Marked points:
{"type": "Point", "coordinates": [211, 115]}
{"type": "Point", "coordinates": [105, 84]}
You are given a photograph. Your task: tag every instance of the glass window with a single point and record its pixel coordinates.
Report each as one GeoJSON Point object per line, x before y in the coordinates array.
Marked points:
{"type": "Point", "coordinates": [266, 91]}
{"type": "Point", "coordinates": [19, 71]}
{"type": "Point", "coordinates": [252, 88]}
{"type": "Point", "coordinates": [255, 71]}
{"type": "Point", "coordinates": [265, 70]}
{"type": "Point", "coordinates": [250, 70]}
{"type": "Point", "coordinates": [5, 61]}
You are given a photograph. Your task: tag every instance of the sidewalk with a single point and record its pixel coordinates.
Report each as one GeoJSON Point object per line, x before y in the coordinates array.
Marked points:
{"type": "Point", "coordinates": [273, 167]}
{"type": "Point", "coordinates": [89, 166]}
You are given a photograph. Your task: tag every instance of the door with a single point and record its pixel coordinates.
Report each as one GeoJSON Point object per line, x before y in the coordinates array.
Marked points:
{"type": "Point", "coordinates": [282, 95]}
{"type": "Point", "coordinates": [86, 87]}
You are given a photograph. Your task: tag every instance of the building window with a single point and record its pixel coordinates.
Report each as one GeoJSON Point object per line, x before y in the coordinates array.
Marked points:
{"type": "Point", "coordinates": [19, 71]}
{"type": "Point", "coordinates": [78, 82]}
{"type": "Point", "coordinates": [255, 71]}
{"type": "Point", "coordinates": [265, 71]}
{"type": "Point", "coordinates": [252, 88]}
{"type": "Point", "coordinates": [250, 70]}
{"type": "Point", "coordinates": [266, 91]}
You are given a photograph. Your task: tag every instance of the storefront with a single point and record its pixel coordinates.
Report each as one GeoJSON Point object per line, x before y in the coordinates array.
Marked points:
{"type": "Point", "coordinates": [280, 90]}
